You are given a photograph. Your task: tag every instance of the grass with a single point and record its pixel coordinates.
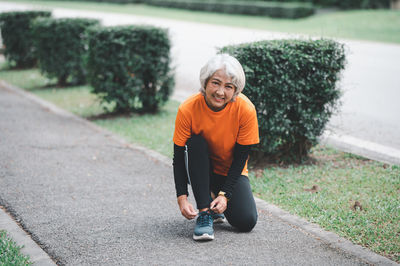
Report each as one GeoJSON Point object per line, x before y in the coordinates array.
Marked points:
{"type": "Point", "coordinates": [77, 100]}
{"type": "Point", "coordinates": [326, 193]}
{"type": "Point", "coordinates": [10, 253]}
{"type": "Point", "coordinates": [32, 79]}
{"type": "Point", "coordinates": [340, 178]}
{"type": "Point", "coordinates": [152, 131]}
{"type": "Point", "coordinates": [372, 25]}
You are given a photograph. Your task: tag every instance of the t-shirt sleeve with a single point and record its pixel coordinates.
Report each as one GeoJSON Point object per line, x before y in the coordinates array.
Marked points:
{"type": "Point", "coordinates": [248, 127]}
{"type": "Point", "coordinates": [182, 129]}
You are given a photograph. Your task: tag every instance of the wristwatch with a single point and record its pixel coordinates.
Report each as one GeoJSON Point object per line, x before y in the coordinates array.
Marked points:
{"type": "Point", "coordinates": [222, 193]}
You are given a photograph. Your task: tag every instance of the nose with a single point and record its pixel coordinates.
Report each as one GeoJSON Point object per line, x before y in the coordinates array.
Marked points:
{"type": "Point", "coordinates": [220, 90]}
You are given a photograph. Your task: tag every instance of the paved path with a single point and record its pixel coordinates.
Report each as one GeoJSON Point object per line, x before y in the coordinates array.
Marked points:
{"type": "Point", "coordinates": [89, 198]}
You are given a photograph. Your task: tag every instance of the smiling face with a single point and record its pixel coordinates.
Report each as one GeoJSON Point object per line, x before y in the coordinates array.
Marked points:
{"type": "Point", "coordinates": [219, 90]}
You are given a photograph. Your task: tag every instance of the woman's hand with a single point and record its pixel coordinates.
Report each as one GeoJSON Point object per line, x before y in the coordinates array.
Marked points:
{"type": "Point", "coordinates": [219, 204]}
{"type": "Point", "coordinates": [186, 208]}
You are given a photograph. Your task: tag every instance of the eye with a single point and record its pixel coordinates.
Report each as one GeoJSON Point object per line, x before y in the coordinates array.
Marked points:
{"type": "Point", "coordinates": [229, 87]}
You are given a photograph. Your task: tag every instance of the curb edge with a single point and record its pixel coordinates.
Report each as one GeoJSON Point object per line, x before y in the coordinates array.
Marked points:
{"type": "Point", "coordinates": [29, 247]}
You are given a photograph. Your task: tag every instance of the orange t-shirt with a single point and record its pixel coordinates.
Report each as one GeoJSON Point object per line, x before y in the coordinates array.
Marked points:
{"type": "Point", "coordinates": [237, 122]}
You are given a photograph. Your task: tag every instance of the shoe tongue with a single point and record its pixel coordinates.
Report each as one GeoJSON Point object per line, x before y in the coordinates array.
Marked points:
{"type": "Point", "coordinates": [205, 218]}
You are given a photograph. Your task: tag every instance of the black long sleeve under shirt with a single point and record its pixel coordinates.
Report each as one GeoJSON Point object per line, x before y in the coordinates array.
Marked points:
{"type": "Point", "coordinates": [240, 156]}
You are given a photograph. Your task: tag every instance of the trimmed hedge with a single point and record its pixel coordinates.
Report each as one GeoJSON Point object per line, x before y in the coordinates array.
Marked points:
{"type": "Point", "coordinates": [347, 4]}
{"type": "Point", "coordinates": [350, 4]}
{"type": "Point", "coordinates": [129, 66]}
{"type": "Point", "coordinates": [354, 4]}
{"type": "Point", "coordinates": [292, 83]}
{"type": "Point", "coordinates": [111, 1]}
{"type": "Point", "coordinates": [271, 9]}
{"type": "Point", "coordinates": [16, 32]}
{"type": "Point", "coordinates": [62, 47]}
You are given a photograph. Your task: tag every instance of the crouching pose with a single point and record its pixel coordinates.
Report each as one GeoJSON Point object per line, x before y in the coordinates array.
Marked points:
{"type": "Point", "coordinates": [214, 130]}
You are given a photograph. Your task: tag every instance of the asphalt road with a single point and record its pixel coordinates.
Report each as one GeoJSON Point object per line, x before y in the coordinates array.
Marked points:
{"type": "Point", "coordinates": [89, 199]}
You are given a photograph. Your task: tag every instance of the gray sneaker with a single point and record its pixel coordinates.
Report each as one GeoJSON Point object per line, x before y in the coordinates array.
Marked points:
{"type": "Point", "coordinates": [204, 227]}
{"type": "Point", "coordinates": [218, 218]}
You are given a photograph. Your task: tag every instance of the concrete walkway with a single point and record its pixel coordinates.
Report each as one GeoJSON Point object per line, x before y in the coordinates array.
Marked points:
{"type": "Point", "coordinates": [89, 198]}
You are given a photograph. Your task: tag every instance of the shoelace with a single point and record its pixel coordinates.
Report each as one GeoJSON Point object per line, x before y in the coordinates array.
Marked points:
{"type": "Point", "coordinates": [213, 214]}
{"type": "Point", "coordinates": [204, 219]}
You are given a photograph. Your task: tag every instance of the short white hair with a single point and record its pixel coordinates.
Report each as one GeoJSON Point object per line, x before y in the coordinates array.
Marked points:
{"type": "Point", "coordinates": [232, 68]}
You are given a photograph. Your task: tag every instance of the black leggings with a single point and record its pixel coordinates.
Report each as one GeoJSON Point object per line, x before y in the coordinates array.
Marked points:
{"type": "Point", "coordinates": [241, 211]}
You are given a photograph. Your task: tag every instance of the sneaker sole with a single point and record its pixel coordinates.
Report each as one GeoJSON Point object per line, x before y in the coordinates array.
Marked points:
{"type": "Point", "coordinates": [203, 237]}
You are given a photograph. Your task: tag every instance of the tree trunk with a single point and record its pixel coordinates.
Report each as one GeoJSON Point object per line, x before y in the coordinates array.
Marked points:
{"type": "Point", "coordinates": [62, 81]}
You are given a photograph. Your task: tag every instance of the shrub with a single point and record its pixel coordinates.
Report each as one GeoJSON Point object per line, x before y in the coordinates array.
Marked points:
{"type": "Point", "coordinates": [110, 1]}
{"type": "Point", "coordinates": [62, 47]}
{"type": "Point", "coordinates": [292, 83]}
{"type": "Point", "coordinates": [272, 9]}
{"type": "Point", "coordinates": [353, 4]}
{"type": "Point", "coordinates": [16, 32]}
{"type": "Point", "coordinates": [130, 66]}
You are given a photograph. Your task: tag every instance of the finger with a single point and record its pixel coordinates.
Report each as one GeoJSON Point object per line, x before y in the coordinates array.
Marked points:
{"type": "Point", "coordinates": [223, 210]}
{"type": "Point", "coordinates": [185, 212]}
{"type": "Point", "coordinates": [221, 207]}
{"type": "Point", "coordinates": [213, 205]}
{"type": "Point", "coordinates": [192, 216]}
{"type": "Point", "coordinates": [188, 216]}
{"type": "Point", "coordinates": [216, 208]}
{"type": "Point", "coordinates": [192, 210]}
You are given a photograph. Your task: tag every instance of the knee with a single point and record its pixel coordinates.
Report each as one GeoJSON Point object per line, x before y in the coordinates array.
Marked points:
{"type": "Point", "coordinates": [246, 223]}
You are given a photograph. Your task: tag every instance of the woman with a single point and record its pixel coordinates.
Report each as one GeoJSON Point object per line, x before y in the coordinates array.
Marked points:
{"type": "Point", "coordinates": [214, 131]}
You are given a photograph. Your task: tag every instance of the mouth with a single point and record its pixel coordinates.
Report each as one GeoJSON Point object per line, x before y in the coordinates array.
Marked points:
{"type": "Point", "coordinates": [219, 99]}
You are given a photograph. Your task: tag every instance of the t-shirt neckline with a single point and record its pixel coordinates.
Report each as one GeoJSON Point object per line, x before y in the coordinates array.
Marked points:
{"type": "Point", "coordinates": [209, 110]}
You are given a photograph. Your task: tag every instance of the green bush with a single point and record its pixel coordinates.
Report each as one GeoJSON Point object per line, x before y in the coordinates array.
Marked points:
{"type": "Point", "coordinates": [349, 4]}
{"type": "Point", "coordinates": [61, 46]}
{"type": "Point", "coordinates": [292, 83]}
{"type": "Point", "coordinates": [130, 67]}
{"type": "Point", "coordinates": [355, 4]}
{"type": "Point", "coordinates": [272, 9]}
{"type": "Point", "coordinates": [16, 32]}
{"type": "Point", "coordinates": [110, 1]}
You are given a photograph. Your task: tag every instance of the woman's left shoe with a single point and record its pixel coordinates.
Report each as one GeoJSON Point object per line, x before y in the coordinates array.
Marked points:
{"type": "Point", "coordinates": [218, 218]}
